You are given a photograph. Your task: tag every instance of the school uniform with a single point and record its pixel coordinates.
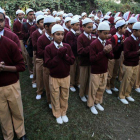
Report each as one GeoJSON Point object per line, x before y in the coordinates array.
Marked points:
{"type": "Point", "coordinates": [17, 30]}
{"type": "Point", "coordinates": [113, 65]}
{"type": "Point", "coordinates": [113, 30]}
{"type": "Point", "coordinates": [59, 80]}
{"type": "Point", "coordinates": [66, 30]}
{"type": "Point", "coordinates": [83, 42]}
{"type": "Point", "coordinates": [7, 25]}
{"type": "Point", "coordinates": [131, 61]}
{"type": "Point", "coordinates": [99, 66]}
{"type": "Point", "coordinates": [71, 39]}
{"type": "Point", "coordinates": [38, 63]}
{"type": "Point", "coordinates": [42, 42]}
{"type": "Point", "coordinates": [11, 109]}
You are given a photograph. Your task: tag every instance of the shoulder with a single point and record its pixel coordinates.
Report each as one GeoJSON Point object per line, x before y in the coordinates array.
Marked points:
{"type": "Point", "coordinates": [66, 45]}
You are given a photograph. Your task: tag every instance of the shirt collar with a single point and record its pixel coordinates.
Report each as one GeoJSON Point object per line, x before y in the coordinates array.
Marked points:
{"type": "Point", "coordinates": [40, 31]}
{"type": "Point", "coordinates": [21, 21]}
{"type": "Point", "coordinates": [101, 40]}
{"type": "Point", "coordinates": [31, 23]}
{"type": "Point", "coordinates": [129, 30]}
{"type": "Point", "coordinates": [56, 44]}
{"type": "Point", "coordinates": [87, 35]}
{"type": "Point", "coordinates": [49, 37]}
{"type": "Point", "coordinates": [118, 35]}
{"type": "Point", "coordinates": [133, 37]}
{"type": "Point", "coordinates": [73, 31]}
{"type": "Point", "coordinates": [66, 28]}
{"type": "Point", "coordinates": [2, 33]}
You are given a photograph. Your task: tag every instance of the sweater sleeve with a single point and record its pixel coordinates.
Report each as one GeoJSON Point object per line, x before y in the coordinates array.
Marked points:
{"type": "Point", "coordinates": [40, 49]}
{"type": "Point", "coordinates": [34, 41]}
{"type": "Point", "coordinates": [25, 34]}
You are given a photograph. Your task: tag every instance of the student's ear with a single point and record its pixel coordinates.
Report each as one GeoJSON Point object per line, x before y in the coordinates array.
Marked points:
{"type": "Point", "coordinates": [46, 27]}
{"type": "Point", "coordinates": [83, 27]}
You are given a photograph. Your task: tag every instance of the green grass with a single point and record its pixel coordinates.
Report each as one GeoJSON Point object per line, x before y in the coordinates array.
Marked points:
{"type": "Point", "coordinates": [117, 122]}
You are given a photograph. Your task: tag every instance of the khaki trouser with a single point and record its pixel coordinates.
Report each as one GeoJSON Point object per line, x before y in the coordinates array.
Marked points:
{"type": "Point", "coordinates": [129, 77]}
{"type": "Point", "coordinates": [75, 73]}
{"type": "Point", "coordinates": [84, 80]}
{"type": "Point", "coordinates": [11, 111]}
{"type": "Point", "coordinates": [34, 67]}
{"type": "Point", "coordinates": [24, 51]}
{"type": "Point", "coordinates": [59, 89]}
{"type": "Point", "coordinates": [46, 73]}
{"type": "Point", "coordinates": [137, 83]}
{"type": "Point", "coordinates": [120, 74]}
{"type": "Point", "coordinates": [39, 76]}
{"type": "Point", "coordinates": [113, 66]}
{"type": "Point", "coordinates": [96, 88]}
{"type": "Point", "coordinates": [29, 64]}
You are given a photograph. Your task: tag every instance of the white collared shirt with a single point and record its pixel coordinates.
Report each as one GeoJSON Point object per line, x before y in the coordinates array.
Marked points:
{"type": "Point", "coordinates": [102, 40]}
{"type": "Point", "coordinates": [48, 36]}
{"type": "Point", "coordinates": [40, 31]}
{"type": "Point", "coordinates": [31, 23]}
{"type": "Point", "coordinates": [2, 33]}
{"type": "Point", "coordinates": [73, 31]}
{"type": "Point", "coordinates": [129, 30]}
{"type": "Point", "coordinates": [119, 36]}
{"type": "Point", "coordinates": [66, 28]}
{"type": "Point", "coordinates": [87, 35]}
{"type": "Point", "coordinates": [133, 37]}
{"type": "Point", "coordinates": [56, 44]}
{"type": "Point", "coordinates": [21, 21]}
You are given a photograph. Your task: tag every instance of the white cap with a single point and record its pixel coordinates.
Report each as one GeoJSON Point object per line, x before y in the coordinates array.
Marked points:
{"type": "Point", "coordinates": [57, 27]}
{"type": "Point", "coordinates": [39, 17]}
{"type": "Point", "coordinates": [2, 10]}
{"type": "Point", "coordinates": [94, 27]}
{"type": "Point", "coordinates": [120, 23]}
{"type": "Point", "coordinates": [19, 11]}
{"type": "Point", "coordinates": [132, 20]}
{"type": "Point", "coordinates": [29, 10]}
{"type": "Point", "coordinates": [65, 15]}
{"type": "Point", "coordinates": [39, 13]}
{"type": "Point", "coordinates": [47, 10]}
{"type": "Point", "coordinates": [136, 26]}
{"type": "Point", "coordinates": [83, 14]}
{"type": "Point", "coordinates": [74, 20]}
{"type": "Point", "coordinates": [96, 18]}
{"type": "Point", "coordinates": [106, 17]}
{"type": "Point", "coordinates": [45, 13]}
{"type": "Point", "coordinates": [67, 19]}
{"type": "Point", "coordinates": [87, 20]}
{"type": "Point", "coordinates": [60, 13]}
{"type": "Point", "coordinates": [91, 15]}
{"type": "Point", "coordinates": [76, 16]}
{"type": "Point", "coordinates": [107, 21]}
{"type": "Point", "coordinates": [49, 19]}
{"type": "Point", "coordinates": [70, 15]}
{"type": "Point", "coordinates": [116, 19]}
{"type": "Point", "coordinates": [57, 18]}
{"type": "Point", "coordinates": [104, 26]}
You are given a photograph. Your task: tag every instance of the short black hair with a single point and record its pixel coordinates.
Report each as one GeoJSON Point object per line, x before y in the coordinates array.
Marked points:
{"type": "Point", "coordinates": [2, 14]}
{"type": "Point", "coordinates": [85, 25]}
{"type": "Point", "coordinates": [121, 27]}
{"type": "Point", "coordinates": [134, 29]}
{"type": "Point", "coordinates": [39, 20]}
{"type": "Point", "coordinates": [48, 24]}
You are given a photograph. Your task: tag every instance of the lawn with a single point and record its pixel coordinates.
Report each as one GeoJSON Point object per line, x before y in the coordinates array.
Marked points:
{"type": "Point", "coordinates": [117, 122]}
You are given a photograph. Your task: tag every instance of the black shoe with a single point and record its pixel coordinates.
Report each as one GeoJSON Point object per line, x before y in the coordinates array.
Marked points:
{"type": "Point", "coordinates": [23, 138]}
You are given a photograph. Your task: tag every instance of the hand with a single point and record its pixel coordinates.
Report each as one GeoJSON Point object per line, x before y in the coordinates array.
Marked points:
{"type": "Point", "coordinates": [107, 48]}
{"type": "Point", "coordinates": [43, 31]}
{"type": "Point", "coordinates": [1, 67]}
{"type": "Point", "coordinates": [109, 36]}
{"type": "Point", "coordinates": [51, 42]}
{"type": "Point", "coordinates": [138, 52]}
{"type": "Point", "coordinates": [78, 32]}
{"type": "Point", "coordinates": [122, 41]}
{"type": "Point", "coordinates": [62, 51]}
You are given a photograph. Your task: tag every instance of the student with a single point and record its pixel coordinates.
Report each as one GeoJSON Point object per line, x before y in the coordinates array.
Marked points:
{"type": "Point", "coordinates": [100, 51]}
{"type": "Point", "coordinates": [60, 15]}
{"type": "Point", "coordinates": [58, 20]}
{"type": "Point", "coordinates": [11, 109]}
{"type": "Point", "coordinates": [94, 30]}
{"type": "Point", "coordinates": [67, 27]}
{"type": "Point", "coordinates": [91, 16]}
{"type": "Point", "coordinates": [83, 15]}
{"type": "Point", "coordinates": [113, 65]}
{"type": "Point", "coordinates": [38, 63]}
{"type": "Point", "coordinates": [58, 58]}
{"type": "Point", "coordinates": [71, 39]}
{"type": "Point", "coordinates": [17, 30]}
{"type": "Point", "coordinates": [131, 61]}
{"type": "Point", "coordinates": [42, 42]}
{"type": "Point", "coordinates": [25, 29]}
{"type": "Point", "coordinates": [83, 42]}
{"type": "Point", "coordinates": [97, 21]}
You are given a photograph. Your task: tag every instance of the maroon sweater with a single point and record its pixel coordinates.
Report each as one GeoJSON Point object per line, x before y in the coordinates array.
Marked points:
{"type": "Point", "coordinates": [83, 49]}
{"type": "Point", "coordinates": [32, 29]}
{"type": "Point", "coordinates": [35, 35]}
{"type": "Point", "coordinates": [113, 30]}
{"type": "Point", "coordinates": [117, 49]}
{"type": "Point", "coordinates": [127, 33]}
{"type": "Point", "coordinates": [7, 23]}
{"type": "Point", "coordinates": [9, 53]}
{"type": "Point", "coordinates": [13, 37]}
{"type": "Point", "coordinates": [71, 39]}
{"type": "Point", "coordinates": [98, 59]}
{"type": "Point", "coordinates": [59, 67]}
{"type": "Point", "coordinates": [42, 42]}
{"type": "Point", "coordinates": [131, 46]}
{"type": "Point", "coordinates": [65, 33]}
{"type": "Point", "coordinates": [17, 28]}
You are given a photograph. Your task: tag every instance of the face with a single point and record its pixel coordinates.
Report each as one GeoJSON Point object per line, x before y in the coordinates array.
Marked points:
{"type": "Point", "coordinates": [49, 12]}
{"type": "Point", "coordinates": [99, 14]}
{"type": "Point", "coordinates": [30, 16]}
{"type": "Point", "coordinates": [136, 33]}
{"type": "Point", "coordinates": [50, 27]}
{"type": "Point", "coordinates": [76, 26]}
{"type": "Point", "coordinates": [20, 16]}
{"type": "Point", "coordinates": [68, 24]}
{"type": "Point", "coordinates": [58, 36]}
{"type": "Point", "coordinates": [122, 30]}
{"type": "Point", "coordinates": [103, 35]}
{"type": "Point", "coordinates": [41, 24]}
{"type": "Point", "coordinates": [92, 18]}
{"type": "Point", "coordinates": [2, 22]}
{"type": "Point", "coordinates": [94, 31]}
{"type": "Point", "coordinates": [97, 21]}
{"type": "Point", "coordinates": [58, 22]}
{"type": "Point", "coordinates": [130, 26]}
{"type": "Point", "coordinates": [88, 28]}
{"type": "Point", "coordinates": [85, 16]}
{"type": "Point", "coordinates": [61, 17]}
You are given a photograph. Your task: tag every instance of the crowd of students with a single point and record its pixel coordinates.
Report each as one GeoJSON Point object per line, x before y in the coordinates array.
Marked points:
{"type": "Point", "coordinates": [65, 51]}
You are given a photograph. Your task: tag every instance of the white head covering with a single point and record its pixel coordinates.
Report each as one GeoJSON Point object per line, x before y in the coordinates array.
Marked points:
{"type": "Point", "coordinates": [74, 20]}
{"type": "Point", "coordinates": [109, 13]}
{"type": "Point", "coordinates": [117, 14]}
{"type": "Point", "coordinates": [57, 18]}
{"type": "Point", "coordinates": [120, 23]}
{"type": "Point", "coordinates": [91, 15]}
{"type": "Point", "coordinates": [70, 15]}
{"type": "Point", "coordinates": [106, 17]}
{"type": "Point", "coordinates": [47, 10]}
{"type": "Point", "coordinates": [116, 19]}
{"type": "Point", "coordinates": [49, 19]}
{"type": "Point", "coordinates": [137, 16]}
{"type": "Point", "coordinates": [19, 11]}
{"type": "Point", "coordinates": [39, 17]}
{"type": "Point", "coordinates": [39, 13]}
{"type": "Point", "coordinates": [136, 26]}
{"type": "Point", "coordinates": [94, 27]}
{"type": "Point", "coordinates": [104, 26]}
{"type": "Point", "coordinates": [2, 10]}
{"type": "Point", "coordinates": [132, 20]}
{"type": "Point", "coordinates": [106, 21]}
{"type": "Point", "coordinates": [29, 10]}
{"type": "Point", "coordinates": [83, 14]}
{"type": "Point", "coordinates": [101, 14]}
{"type": "Point", "coordinates": [87, 20]}
{"type": "Point", "coordinates": [126, 15]}
{"type": "Point", "coordinates": [67, 19]}
{"type": "Point", "coordinates": [96, 18]}
{"type": "Point", "coordinates": [57, 27]}
{"type": "Point", "coordinates": [60, 13]}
